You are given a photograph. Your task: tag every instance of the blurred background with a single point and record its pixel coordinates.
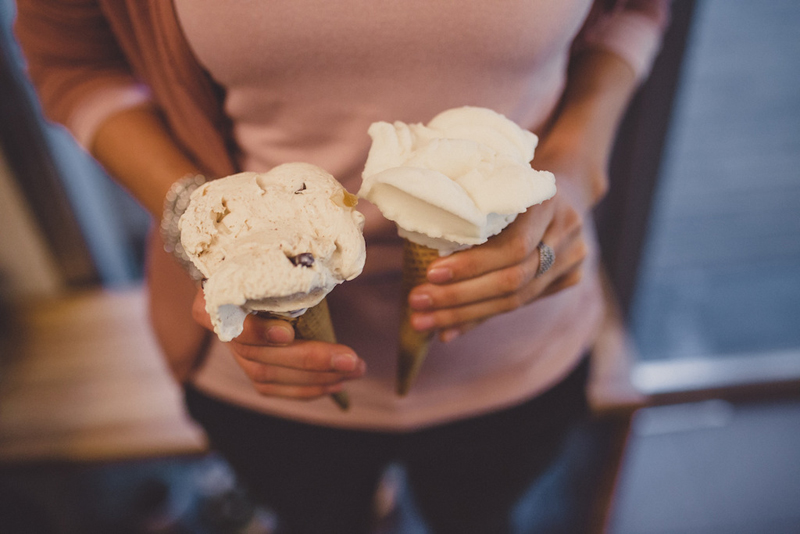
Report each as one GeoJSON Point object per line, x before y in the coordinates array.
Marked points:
{"type": "Point", "coordinates": [698, 369]}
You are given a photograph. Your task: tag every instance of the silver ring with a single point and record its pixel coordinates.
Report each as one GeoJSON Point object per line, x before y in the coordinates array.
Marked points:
{"type": "Point", "coordinates": [547, 257]}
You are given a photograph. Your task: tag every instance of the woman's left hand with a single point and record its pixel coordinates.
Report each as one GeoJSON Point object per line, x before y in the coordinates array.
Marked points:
{"type": "Point", "coordinates": [468, 287]}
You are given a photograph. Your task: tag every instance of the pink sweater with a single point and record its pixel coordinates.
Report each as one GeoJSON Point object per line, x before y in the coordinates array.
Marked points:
{"type": "Point", "coordinates": [304, 79]}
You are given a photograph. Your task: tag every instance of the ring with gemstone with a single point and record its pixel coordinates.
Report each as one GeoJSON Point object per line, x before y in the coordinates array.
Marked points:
{"type": "Point", "coordinates": [547, 257]}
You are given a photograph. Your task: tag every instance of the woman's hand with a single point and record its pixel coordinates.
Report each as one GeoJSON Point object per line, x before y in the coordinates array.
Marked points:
{"type": "Point", "coordinates": [499, 276]}
{"type": "Point", "coordinates": [281, 366]}
{"type": "Point", "coordinates": [469, 287]}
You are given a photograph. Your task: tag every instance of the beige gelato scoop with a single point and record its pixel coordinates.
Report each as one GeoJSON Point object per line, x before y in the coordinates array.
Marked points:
{"type": "Point", "coordinates": [278, 242]}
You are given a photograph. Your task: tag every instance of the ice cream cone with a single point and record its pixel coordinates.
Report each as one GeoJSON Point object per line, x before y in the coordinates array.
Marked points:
{"type": "Point", "coordinates": [315, 324]}
{"type": "Point", "coordinates": [273, 242]}
{"type": "Point", "coordinates": [413, 344]}
{"type": "Point", "coordinates": [451, 184]}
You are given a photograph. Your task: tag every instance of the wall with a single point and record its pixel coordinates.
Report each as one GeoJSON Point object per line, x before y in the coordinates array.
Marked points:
{"type": "Point", "coordinates": [26, 267]}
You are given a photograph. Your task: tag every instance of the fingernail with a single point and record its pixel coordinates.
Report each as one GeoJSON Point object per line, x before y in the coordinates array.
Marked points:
{"type": "Point", "coordinates": [279, 335]}
{"type": "Point", "coordinates": [420, 301]}
{"type": "Point", "coordinates": [439, 275]}
{"type": "Point", "coordinates": [335, 388]}
{"type": "Point", "coordinates": [422, 322]}
{"type": "Point", "coordinates": [449, 335]}
{"type": "Point", "coordinates": [344, 362]}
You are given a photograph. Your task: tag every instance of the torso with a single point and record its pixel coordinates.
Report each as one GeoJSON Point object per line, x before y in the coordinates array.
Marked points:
{"type": "Point", "coordinates": [304, 79]}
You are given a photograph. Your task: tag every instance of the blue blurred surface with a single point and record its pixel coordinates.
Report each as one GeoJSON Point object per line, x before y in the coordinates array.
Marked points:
{"type": "Point", "coordinates": [712, 468]}
{"type": "Point", "coordinates": [721, 272]}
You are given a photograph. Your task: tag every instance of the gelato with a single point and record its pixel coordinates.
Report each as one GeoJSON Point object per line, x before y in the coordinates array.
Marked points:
{"type": "Point", "coordinates": [275, 242]}
{"type": "Point", "coordinates": [457, 181]}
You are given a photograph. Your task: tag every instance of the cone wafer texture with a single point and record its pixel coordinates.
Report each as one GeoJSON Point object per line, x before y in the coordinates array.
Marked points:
{"type": "Point", "coordinates": [315, 324]}
{"type": "Point", "coordinates": [413, 344]}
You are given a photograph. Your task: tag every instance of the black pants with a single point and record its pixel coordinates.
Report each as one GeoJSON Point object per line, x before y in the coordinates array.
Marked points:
{"type": "Point", "coordinates": [465, 476]}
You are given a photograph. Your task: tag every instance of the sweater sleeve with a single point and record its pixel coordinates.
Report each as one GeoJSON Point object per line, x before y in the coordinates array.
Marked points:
{"type": "Point", "coordinates": [632, 30]}
{"type": "Point", "coordinates": [73, 59]}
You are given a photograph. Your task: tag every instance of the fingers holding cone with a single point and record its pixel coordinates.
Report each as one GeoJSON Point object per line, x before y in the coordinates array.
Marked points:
{"type": "Point", "coordinates": [316, 324]}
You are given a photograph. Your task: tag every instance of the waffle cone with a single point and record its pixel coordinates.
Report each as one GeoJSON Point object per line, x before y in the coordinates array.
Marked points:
{"type": "Point", "coordinates": [413, 344]}
{"type": "Point", "coordinates": [315, 324]}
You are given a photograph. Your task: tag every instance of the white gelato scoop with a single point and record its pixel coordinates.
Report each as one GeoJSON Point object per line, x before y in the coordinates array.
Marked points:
{"type": "Point", "coordinates": [278, 241]}
{"type": "Point", "coordinates": [457, 181]}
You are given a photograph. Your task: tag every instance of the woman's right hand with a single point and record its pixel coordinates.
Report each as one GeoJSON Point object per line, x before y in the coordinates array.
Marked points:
{"type": "Point", "coordinates": [280, 365]}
